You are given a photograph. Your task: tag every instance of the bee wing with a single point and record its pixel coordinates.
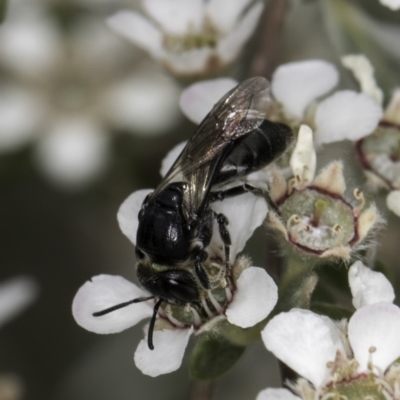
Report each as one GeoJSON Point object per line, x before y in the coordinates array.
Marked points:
{"type": "Point", "coordinates": [239, 112]}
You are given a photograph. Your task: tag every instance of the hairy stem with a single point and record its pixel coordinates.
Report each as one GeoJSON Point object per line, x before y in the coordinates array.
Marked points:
{"type": "Point", "coordinates": [272, 22]}
{"type": "Point", "coordinates": [297, 284]}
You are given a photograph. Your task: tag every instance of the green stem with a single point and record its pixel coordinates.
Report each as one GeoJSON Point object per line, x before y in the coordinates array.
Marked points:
{"type": "Point", "coordinates": [297, 283]}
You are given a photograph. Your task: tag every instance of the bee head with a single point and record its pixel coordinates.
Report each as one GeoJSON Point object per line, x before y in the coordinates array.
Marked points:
{"type": "Point", "coordinates": [173, 285]}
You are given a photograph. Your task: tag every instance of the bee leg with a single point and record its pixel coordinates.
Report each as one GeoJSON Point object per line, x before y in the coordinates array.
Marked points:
{"type": "Point", "coordinates": [245, 188]}
{"type": "Point", "coordinates": [200, 271]}
{"type": "Point", "coordinates": [199, 255]}
{"type": "Point", "coordinates": [226, 238]}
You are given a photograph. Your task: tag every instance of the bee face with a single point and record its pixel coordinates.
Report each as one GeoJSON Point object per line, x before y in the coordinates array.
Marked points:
{"type": "Point", "coordinates": [174, 286]}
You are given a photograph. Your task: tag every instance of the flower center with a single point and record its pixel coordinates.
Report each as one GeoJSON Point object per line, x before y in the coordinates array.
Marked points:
{"type": "Point", "coordinates": [192, 40]}
{"type": "Point", "coordinates": [318, 221]}
{"type": "Point", "coordinates": [357, 388]}
{"type": "Point", "coordinates": [213, 302]}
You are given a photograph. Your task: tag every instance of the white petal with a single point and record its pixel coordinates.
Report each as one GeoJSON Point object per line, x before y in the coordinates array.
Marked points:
{"type": "Point", "coordinates": [369, 287]}
{"type": "Point", "coordinates": [364, 73]}
{"type": "Point", "coordinates": [392, 4]}
{"type": "Point", "coordinates": [276, 394]}
{"type": "Point", "coordinates": [128, 213]}
{"type": "Point", "coordinates": [139, 30]}
{"type": "Point", "coordinates": [375, 326]}
{"type": "Point", "coordinates": [229, 47]}
{"type": "Point", "coordinates": [297, 84]}
{"type": "Point", "coordinates": [197, 100]}
{"type": "Point", "coordinates": [393, 201]}
{"type": "Point", "coordinates": [304, 341]}
{"type": "Point", "coordinates": [255, 297]}
{"type": "Point", "coordinates": [73, 152]}
{"type": "Point", "coordinates": [176, 16]}
{"type": "Point", "coordinates": [15, 295]}
{"type": "Point", "coordinates": [22, 114]}
{"type": "Point", "coordinates": [346, 115]}
{"type": "Point", "coordinates": [245, 213]}
{"type": "Point", "coordinates": [191, 62]}
{"type": "Point", "coordinates": [169, 348]}
{"type": "Point", "coordinates": [225, 13]}
{"type": "Point", "coordinates": [105, 291]}
{"type": "Point", "coordinates": [145, 103]}
{"type": "Point", "coordinates": [30, 46]}
{"type": "Point", "coordinates": [171, 157]}
{"type": "Point", "coordinates": [303, 160]}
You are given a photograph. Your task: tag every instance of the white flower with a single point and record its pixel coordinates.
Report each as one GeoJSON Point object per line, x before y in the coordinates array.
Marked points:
{"type": "Point", "coordinates": [375, 152]}
{"type": "Point", "coordinates": [317, 349]}
{"type": "Point", "coordinates": [190, 37]}
{"type": "Point", "coordinates": [251, 302]}
{"type": "Point", "coordinates": [296, 86]}
{"type": "Point", "coordinates": [392, 4]}
{"type": "Point", "coordinates": [65, 91]}
{"type": "Point", "coordinates": [16, 294]}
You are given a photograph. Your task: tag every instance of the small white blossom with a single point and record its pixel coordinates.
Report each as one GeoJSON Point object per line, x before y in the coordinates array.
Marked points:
{"type": "Point", "coordinates": [378, 152]}
{"type": "Point", "coordinates": [343, 115]}
{"type": "Point", "coordinates": [296, 87]}
{"type": "Point", "coordinates": [317, 349]}
{"type": "Point", "coordinates": [66, 89]}
{"type": "Point", "coordinates": [190, 37]}
{"type": "Point", "coordinates": [253, 299]}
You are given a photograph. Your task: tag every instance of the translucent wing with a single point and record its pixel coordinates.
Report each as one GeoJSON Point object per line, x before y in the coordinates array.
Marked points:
{"type": "Point", "coordinates": [239, 112]}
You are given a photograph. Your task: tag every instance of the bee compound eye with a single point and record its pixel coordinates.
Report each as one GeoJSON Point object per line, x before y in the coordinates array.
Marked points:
{"type": "Point", "coordinates": [182, 291]}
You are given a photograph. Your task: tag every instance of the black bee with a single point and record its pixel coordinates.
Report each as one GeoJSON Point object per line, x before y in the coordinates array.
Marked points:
{"type": "Point", "coordinates": [176, 220]}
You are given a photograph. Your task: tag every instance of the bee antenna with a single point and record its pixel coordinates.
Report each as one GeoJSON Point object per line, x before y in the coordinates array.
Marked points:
{"type": "Point", "coordinates": [151, 326]}
{"type": "Point", "coordinates": [121, 305]}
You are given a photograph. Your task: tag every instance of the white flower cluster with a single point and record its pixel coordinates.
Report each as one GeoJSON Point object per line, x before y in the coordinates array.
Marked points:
{"type": "Point", "coordinates": [296, 86]}
{"type": "Point", "coordinates": [254, 294]}
{"type": "Point", "coordinates": [335, 356]}
{"type": "Point", "coordinates": [190, 37]}
{"type": "Point", "coordinates": [63, 90]}
{"type": "Point", "coordinates": [252, 299]}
